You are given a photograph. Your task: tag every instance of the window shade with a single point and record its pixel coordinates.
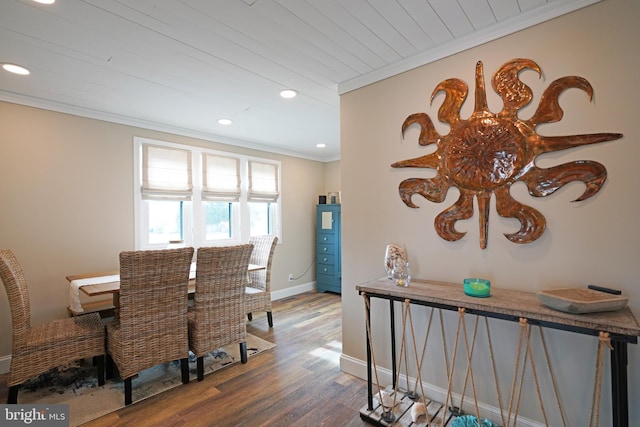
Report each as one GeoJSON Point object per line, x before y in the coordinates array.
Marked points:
{"type": "Point", "coordinates": [220, 178]}
{"type": "Point", "coordinates": [166, 173]}
{"type": "Point", "coordinates": [263, 182]}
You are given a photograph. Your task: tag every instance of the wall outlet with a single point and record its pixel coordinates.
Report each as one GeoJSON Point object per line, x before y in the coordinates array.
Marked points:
{"type": "Point", "coordinates": [291, 277]}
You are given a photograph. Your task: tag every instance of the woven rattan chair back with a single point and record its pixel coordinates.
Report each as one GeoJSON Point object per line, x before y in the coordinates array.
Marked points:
{"type": "Point", "coordinates": [150, 326]}
{"type": "Point", "coordinates": [258, 292]}
{"type": "Point", "coordinates": [15, 283]}
{"type": "Point", "coordinates": [217, 318]}
{"type": "Point", "coordinates": [36, 350]}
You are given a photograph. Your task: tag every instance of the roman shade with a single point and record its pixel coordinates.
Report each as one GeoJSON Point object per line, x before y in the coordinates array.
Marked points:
{"type": "Point", "coordinates": [263, 182]}
{"type": "Point", "coordinates": [220, 178]}
{"type": "Point", "coordinates": [166, 173]}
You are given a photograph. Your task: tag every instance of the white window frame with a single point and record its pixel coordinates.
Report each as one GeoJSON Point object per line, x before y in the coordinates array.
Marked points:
{"type": "Point", "coordinates": [193, 219]}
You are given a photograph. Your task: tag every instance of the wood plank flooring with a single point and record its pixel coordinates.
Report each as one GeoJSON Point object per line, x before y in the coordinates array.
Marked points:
{"type": "Point", "coordinates": [298, 383]}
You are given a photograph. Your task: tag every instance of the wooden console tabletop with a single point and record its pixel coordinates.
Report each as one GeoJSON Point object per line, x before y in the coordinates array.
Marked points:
{"type": "Point", "coordinates": [513, 305]}
{"type": "Point", "coordinates": [508, 304]}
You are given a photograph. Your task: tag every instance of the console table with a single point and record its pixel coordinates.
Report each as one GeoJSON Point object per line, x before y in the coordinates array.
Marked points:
{"type": "Point", "coordinates": [513, 305]}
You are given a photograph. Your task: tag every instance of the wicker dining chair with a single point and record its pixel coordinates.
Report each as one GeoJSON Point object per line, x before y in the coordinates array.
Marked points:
{"type": "Point", "coordinates": [150, 326]}
{"type": "Point", "coordinates": [217, 316]}
{"type": "Point", "coordinates": [258, 291]}
{"type": "Point", "coordinates": [37, 349]}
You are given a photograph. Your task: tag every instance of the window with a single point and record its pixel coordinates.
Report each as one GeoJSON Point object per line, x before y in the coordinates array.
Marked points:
{"type": "Point", "coordinates": [202, 197]}
{"type": "Point", "coordinates": [262, 196]}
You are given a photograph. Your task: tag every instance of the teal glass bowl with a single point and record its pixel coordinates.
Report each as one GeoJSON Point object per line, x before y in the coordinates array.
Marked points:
{"type": "Point", "coordinates": [471, 421]}
{"type": "Point", "coordinates": [475, 287]}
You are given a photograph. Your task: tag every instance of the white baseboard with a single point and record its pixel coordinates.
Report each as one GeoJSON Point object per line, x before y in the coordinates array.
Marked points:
{"type": "Point", "coordinates": [294, 290]}
{"type": "Point", "coordinates": [358, 368]}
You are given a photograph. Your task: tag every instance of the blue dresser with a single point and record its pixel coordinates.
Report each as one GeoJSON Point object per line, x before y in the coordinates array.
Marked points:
{"type": "Point", "coordinates": [328, 270]}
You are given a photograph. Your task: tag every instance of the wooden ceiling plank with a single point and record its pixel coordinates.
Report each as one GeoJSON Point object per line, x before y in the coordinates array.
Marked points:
{"type": "Point", "coordinates": [367, 38]}
{"type": "Point", "coordinates": [424, 15]}
{"type": "Point", "coordinates": [453, 17]}
{"type": "Point", "coordinates": [59, 30]}
{"type": "Point", "coordinates": [504, 9]}
{"type": "Point", "coordinates": [403, 23]}
{"type": "Point", "coordinates": [478, 12]}
{"type": "Point", "coordinates": [379, 25]}
{"type": "Point", "coordinates": [526, 5]}
{"type": "Point", "coordinates": [184, 40]}
{"type": "Point", "coordinates": [254, 31]}
{"type": "Point", "coordinates": [284, 16]}
{"type": "Point", "coordinates": [339, 35]}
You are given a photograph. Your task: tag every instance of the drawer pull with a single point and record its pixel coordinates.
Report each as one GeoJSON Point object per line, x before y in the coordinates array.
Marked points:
{"type": "Point", "coordinates": [324, 249]}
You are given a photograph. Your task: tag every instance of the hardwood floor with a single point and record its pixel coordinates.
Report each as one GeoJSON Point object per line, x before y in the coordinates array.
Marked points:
{"type": "Point", "coordinates": [297, 383]}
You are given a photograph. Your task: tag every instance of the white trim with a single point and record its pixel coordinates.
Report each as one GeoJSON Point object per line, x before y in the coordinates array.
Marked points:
{"type": "Point", "coordinates": [294, 290]}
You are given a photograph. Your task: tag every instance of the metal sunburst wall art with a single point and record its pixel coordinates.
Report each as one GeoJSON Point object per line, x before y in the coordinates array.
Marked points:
{"type": "Point", "coordinates": [488, 152]}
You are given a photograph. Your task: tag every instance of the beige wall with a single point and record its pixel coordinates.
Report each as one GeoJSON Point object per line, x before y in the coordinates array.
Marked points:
{"type": "Point", "coordinates": [66, 186]}
{"type": "Point", "coordinates": [595, 241]}
{"type": "Point", "coordinates": [332, 177]}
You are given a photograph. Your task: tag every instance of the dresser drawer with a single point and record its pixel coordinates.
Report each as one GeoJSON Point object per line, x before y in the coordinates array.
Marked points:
{"type": "Point", "coordinates": [328, 280]}
{"type": "Point", "coordinates": [327, 238]}
{"type": "Point", "coordinates": [326, 249]}
{"type": "Point", "coordinates": [324, 258]}
{"type": "Point", "coordinates": [325, 279]}
{"type": "Point", "coordinates": [325, 269]}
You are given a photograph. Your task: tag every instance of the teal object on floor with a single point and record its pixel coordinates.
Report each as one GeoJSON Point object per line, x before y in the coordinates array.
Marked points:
{"type": "Point", "coordinates": [471, 421]}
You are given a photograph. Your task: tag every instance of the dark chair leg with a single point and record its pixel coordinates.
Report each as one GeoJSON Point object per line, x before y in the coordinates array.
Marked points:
{"type": "Point", "coordinates": [109, 365]}
{"type": "Point", "coordinates": [184, 365]}
{"type": "Point", "coordinates": [250, 316]}
{"type": "Point", "coordinates": [99, 361]}
{"type": "Point", "coordinates": [243, 352]}
{"type": "Point", "coordinates": [13, 394]}
{"type": "Point", "coordinates": [270, 319]}
{"type": "Point", "coordinates": [200, 368]}
{"type": "Point", "coordinates": [127, 391]}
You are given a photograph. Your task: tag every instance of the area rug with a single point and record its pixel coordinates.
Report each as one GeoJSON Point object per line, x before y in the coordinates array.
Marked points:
{"type": "Point", "coordinates": [77, 385]}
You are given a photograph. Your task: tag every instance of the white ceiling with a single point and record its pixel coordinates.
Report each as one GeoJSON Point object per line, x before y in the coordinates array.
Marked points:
{"type": "Point", "coordinates": [179, 65]}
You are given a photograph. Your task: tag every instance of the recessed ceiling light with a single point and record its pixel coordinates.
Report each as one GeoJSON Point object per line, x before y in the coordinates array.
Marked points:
{"type": "Point", "coordinates": [321, 145]}
{"type": "Point", "coordinates": [45, 1]}
{"type": "Point", "coordinates": [288, 93]}
{"type": "Point", "coordinates": [16, 69]}
{"type": "Point", "coordinates": [225, 122]}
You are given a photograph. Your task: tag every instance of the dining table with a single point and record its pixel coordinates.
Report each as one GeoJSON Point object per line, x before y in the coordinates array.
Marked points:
{"type": "Point", "coordinates": [105, 283]}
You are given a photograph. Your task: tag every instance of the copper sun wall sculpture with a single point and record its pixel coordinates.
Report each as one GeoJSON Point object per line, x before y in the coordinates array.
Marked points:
{"type": "Point", "coordinates": [488, 152]}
